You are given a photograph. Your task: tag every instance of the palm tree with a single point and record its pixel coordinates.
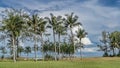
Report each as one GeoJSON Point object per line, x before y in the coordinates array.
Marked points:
{"type": "Point", "coordinates": [114, 41]}
{"type": "Point", "coordinates": [104, 40]}
{"type": "Point", "coordinates": [40, 30]}
{"type": "Point", "coordinates": [54, 21]}
{"type": "Point", "coordinates": [60, 30]}
{"type": "Point", "coordinates": [71, 21]}
{"type": "Point", "coordinates": [12, 25]}
{"type": "Point", "coordinates": [45, 47]}
{"type": "Point", "coordinates": [67, 49]}
{"type": "Point", "coordinates": [27, 50]}
{"type": "Point", "coordinates": [33, 23]}
{"type": "Point", "coordinates": [118, 42]}
{"type": "Point", "coordinates": [81, 34]}
{"type": "Point", "coordinates": [20, 49]}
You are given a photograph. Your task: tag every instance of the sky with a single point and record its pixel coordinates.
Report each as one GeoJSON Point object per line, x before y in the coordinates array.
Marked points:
{"type": "Point", "coordinates": [95, 15]}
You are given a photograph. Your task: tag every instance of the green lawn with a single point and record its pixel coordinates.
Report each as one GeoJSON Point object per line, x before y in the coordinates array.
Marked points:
{"type": "Point", "coordinates": [85, 63]}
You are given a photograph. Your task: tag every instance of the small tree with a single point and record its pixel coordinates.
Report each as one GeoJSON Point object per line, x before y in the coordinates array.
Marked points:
{"type": "Point", "coordinates": [3, 51]}
{"type": "Point", "coordinates": [12, 24]}
{"type": "Point", "coordinates": [81, 34]}
{"type": "Point", "coordinates": [114, 41]}
{"type": "Point", "coordinates": [104, 40]}
{"type": "Point", "coordinates": [20, 50]}
{"type": "Point", "coordinates": [27, 50]}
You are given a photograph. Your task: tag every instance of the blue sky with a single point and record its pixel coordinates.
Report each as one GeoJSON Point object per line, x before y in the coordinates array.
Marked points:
{"type": "Point", "coordinates": [95, 15]}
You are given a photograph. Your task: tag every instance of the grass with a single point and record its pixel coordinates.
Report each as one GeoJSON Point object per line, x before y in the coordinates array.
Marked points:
{"type": "Point", "coordinates": [77, 63]}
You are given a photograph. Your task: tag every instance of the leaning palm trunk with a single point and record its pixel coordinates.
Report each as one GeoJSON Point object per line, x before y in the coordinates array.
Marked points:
{"type": "Point", "coordinates": [14, 48]}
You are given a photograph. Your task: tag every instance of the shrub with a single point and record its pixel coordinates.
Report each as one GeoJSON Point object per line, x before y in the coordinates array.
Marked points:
{"type": "Point", "coordinates": [48, 57]}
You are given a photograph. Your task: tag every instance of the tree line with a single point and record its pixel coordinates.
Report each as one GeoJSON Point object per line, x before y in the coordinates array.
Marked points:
{"type": "Point", "coordinates": [18, 25]}
{"type": "Point", "coordinates": [110, 43]}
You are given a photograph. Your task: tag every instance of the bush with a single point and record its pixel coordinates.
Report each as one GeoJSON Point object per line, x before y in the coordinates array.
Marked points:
{"type": "Point", "coordinates": [118, 54]}
{"type": "Point", "coordinates": [105, 55]}
{"type": "Point", "coordinates": [2, 57]}
{"type": "Point", "coordinates": [48, 57]}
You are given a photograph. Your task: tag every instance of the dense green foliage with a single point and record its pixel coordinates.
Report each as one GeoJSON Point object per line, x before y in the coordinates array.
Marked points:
{"type": "Point", "coordinates": [111, 43]}
{"type": "Point", "coordinates": [17, 26]}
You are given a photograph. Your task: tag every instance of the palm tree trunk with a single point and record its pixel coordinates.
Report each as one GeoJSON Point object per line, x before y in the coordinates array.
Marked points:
{"type": "Point", "coordinates": [113, 51]}
{"type": "Point", "coordinates": [72, 40]}
{"type": "Point", "coordinates": [27, 56]}
{"type": "Point", "coordinates": [35, 46]}
{"type": "Point", "coordinates": [106, 49]}
{"type": "Point", "coordinates": [11, 47]}
{"type": "Point", "coordinates": [59, 45]}
{"type": "Point", "coordinates": [81, 53]}
{"type": "Point", "coordinates": [55, 44]}
{"type": "Point", "coordinates": [42, 42]}
{"type": "Point", "coordinates": [14, 48]}
{"type": "Point", "coordinates": [17, 53]}
{"type": "Point", "coordinates": [80, 49]}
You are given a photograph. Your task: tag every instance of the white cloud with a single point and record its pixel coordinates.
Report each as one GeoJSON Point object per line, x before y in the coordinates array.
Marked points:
{"type": "Point", "coordinates": [86, 41]}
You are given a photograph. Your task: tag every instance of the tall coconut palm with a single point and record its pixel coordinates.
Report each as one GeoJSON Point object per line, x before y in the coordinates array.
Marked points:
{"type": "Point", "coordinates": [71, 21]}
{"type": "Point", "coordinates": [12, 24]}
{"type": "Point", "coordinates": [54, 21]}
{"type": "Point", "coordinates": [33, 23]}
{"type": "Point", "coordinates": [81, 34]}
{"type": "Point", "coordinates": [41, 28]}
{"type": "Point", "coordinates": [60, 30]}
